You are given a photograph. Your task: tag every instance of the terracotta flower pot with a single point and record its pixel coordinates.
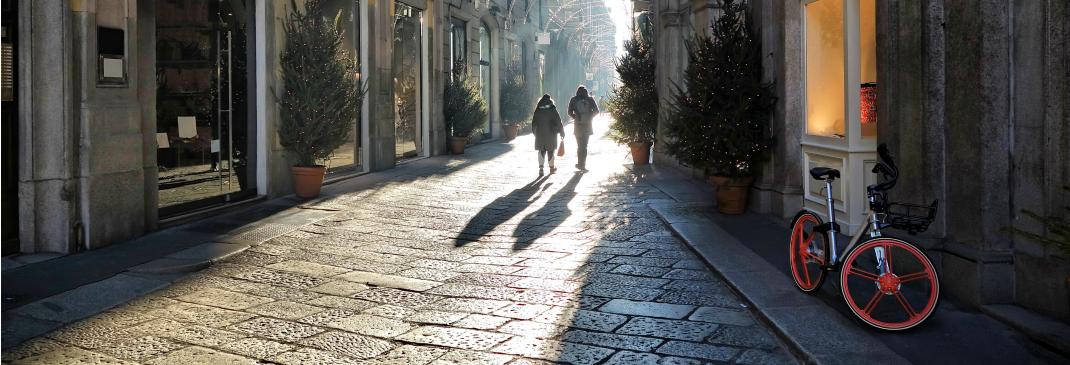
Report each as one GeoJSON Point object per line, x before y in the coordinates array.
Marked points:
{"type": "Point", "coordinates": [457, 144]}
{"type": "Point", "coordinates": [510, 131]}
{"type": "Point", "coordinates": [640, 152]}
{"type": "Point", "coordinates": [731, 194]}
{"type": "Point", "coordinates": [308, 180]}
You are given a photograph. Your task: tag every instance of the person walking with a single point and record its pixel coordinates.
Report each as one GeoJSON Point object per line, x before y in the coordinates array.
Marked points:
{"type": "Point", "coordinates": [582, 108]}
{"type": "Point", "coordinates": [546, 126]}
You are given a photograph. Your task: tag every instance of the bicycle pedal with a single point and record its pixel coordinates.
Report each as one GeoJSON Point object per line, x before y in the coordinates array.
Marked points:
{"type": "Point", "coordinates": [828, 267]}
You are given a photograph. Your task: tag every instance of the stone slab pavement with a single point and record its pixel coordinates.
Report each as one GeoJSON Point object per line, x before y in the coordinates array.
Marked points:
{"type": "Point", "coordinates": [458, 259]}
{"type": "Point", "coordinates": [749, 252]}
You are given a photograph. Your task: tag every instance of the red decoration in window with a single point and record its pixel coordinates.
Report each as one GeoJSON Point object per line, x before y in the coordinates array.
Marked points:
{"type": "Point", "coordinates": [869, 102]}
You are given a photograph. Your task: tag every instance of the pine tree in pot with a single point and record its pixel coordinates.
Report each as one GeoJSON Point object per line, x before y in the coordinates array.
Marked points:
{"type": "Point", "coordinates": [720, 121]}
{"type": "Point", "coordinates": [322, 96]}
{"type": "Point", "coordinates": [463, 108]}
{"type": "Point", "coordinates": [634, 104]}
{"type": "Point", "coordinates": [516, 104]}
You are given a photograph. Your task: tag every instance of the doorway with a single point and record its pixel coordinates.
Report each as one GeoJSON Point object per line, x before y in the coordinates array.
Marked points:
{"type": "Point", "coordinates": [203, 119]}
{"type": "Point", "coordinates": [407, 69]}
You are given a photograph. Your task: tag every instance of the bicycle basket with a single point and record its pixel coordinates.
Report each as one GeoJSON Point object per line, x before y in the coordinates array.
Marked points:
{"type": "Point", "coordinates": [912, 218]}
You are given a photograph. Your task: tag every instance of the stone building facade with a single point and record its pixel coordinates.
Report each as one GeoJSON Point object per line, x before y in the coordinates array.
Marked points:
{"type": "Point", "coordinates": [136, 115]}
{"type": "Point", "coordinates": [972, 99]}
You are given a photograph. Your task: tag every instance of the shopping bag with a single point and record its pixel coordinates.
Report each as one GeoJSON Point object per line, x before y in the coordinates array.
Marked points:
{"type": "Point", "coordinates": [561, 149]}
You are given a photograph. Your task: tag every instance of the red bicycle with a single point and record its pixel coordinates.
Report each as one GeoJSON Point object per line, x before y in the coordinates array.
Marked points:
{"type": "Point", "coordinates": [888, 283]}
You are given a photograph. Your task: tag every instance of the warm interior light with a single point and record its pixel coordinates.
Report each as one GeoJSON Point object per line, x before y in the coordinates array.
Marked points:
{"type": "Point", "coordinates": [824, 68]}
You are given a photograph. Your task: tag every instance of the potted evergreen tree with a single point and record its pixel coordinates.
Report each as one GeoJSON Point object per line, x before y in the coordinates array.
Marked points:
{"type": "Point", "coordinates": [634, 104]}
{"type": "Point", "coordinates": [516, 105]}
{"type": "Point", "coordinates": [322, 94]}
{"type": "Point", "coordinates": [720, 121]}
{"type": "Point", "coordinates": [462, 107]}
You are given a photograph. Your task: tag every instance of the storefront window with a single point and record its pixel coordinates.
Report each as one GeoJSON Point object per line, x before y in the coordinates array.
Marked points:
{"type": "Point", "coordinates": [459, 42]}
{"type": "Point", "coordinates": [484, 69]}
{"type": "Point", "coordinates": [824, 68]}
{"type": "Point", "coordinates": [347, 158]}
{"type": "Point", "coordinates": [202, 108]}
{"type": "Point", "coordinates": [407, 66]}
{"type": "Point", "coordinates": [867, 16]}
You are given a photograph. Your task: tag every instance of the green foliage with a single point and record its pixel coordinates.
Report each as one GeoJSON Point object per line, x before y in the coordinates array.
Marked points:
{"type": "Point", "coordinates": [1057, 229]}
{"type": "Point", "coordinates": [720, 119]}
{"type": "Point", "coordinates": [517, 105]}
{"type": "Point", "coordinates": [322, 98]}
{"type": "Point", "coordinates": [464, 109]}
{"type": "Point", "coordinates": [634, 104]}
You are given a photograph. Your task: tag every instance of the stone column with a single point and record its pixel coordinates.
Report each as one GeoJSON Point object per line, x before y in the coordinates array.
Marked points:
{"type": "Point", "coordinates": [670, 31]}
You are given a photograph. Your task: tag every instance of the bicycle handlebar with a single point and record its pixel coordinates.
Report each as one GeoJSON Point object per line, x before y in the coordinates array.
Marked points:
{"type": "Point", "coordinates": [886, 168]}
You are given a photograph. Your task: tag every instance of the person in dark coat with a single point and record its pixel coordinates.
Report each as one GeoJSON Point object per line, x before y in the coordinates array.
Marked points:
{"type": "Point", "coordinates": [582, 108]}
{"type": "Point", "coordinates": [546, 126]}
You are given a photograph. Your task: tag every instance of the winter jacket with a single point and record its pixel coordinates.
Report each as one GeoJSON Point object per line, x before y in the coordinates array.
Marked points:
{"type": "Point", "coordinates": [546, 125]}
{"type": "Point", "coordinates": [582, 110]}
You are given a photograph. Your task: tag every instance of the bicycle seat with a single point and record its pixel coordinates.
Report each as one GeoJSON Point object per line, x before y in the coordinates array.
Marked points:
{"type": "Point", "coordinates": [820, 173]}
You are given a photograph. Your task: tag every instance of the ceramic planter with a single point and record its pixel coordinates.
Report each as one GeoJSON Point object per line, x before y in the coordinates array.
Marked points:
{"type": "Point", "coordinates": [457, 144]}
{"type": "Point", "coordinates": [731, 194]}
{"type": "Point", "coordinates": [640, 152]}
{"type": "Point", "coordinates": [308, 180]}
{"type": "Point", "coordinates": [511, 131]}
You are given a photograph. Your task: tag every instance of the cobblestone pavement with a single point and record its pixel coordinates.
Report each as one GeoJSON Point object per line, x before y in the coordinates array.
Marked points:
{"type": "Point", "coordinates": [472, 259]}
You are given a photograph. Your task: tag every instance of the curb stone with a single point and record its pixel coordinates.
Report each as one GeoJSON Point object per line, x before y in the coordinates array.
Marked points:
{"type": "Point", "coordinates": [812, 331]}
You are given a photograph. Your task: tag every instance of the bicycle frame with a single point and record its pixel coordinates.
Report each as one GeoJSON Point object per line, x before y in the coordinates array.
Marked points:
{"type": "Point", "coordinates": [872, 227]}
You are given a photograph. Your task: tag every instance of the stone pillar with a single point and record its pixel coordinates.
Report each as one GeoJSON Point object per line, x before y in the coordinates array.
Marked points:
{"type": "Point", "coordinates": [670, 31]}
{"type": "Point", "coordinates": [46, 134]}
{"type": "Point", "coordinates": [706, 13]}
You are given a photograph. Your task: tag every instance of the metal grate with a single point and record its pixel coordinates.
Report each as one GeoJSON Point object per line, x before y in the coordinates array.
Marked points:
{"type": "Point", "coordinates": [7, 80]}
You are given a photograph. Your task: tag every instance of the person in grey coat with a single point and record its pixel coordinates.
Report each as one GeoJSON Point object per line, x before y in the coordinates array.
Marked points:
{"type": "Point", "coordinates": [546, 126]}
{"type": "Point", "coordinates": [582, 108]}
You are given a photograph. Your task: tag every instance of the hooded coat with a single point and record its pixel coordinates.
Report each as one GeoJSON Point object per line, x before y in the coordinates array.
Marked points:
{"type": "Point", "coordinates": [582, 108]}
{"type": "Point", "coordinates": [546, 125]}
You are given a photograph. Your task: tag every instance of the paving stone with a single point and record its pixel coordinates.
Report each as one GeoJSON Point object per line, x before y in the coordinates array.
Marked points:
{"type": "Point", "coordinates": [705, 299]}
{"type": "Point", "coordinates": [371, 266]}
{"type": "Point", "coordinates": [566, 286]}
{"type": "Point", "coordinates": [92, 335]}
{"type": "Point", "coordinates": [311, 356]}
{"type": "Point", "coordinates": [224, 299]}
{"type": "Point", "coordinates": [708, 286]}
{"type": "Point", "coordinates": [650, 271]}
{"type": "Point", "coordinates": [282, 278]}
{"type": "Point", "coordinates": [484, 279]}
{"type": "Point", "coordinates": [669, 360]}
{"type": "Point", "coordinates": [533, 329]}
{"type": "Point", "coordinates": [625, 280]}
{"type": "Point", "coordinates": [256, 348]}
{"type": "Point", "coordinates": [467, 305]}
{"type": "Point", "coordinates": [434, 264]}
{"type": "Point", "coordinates": [327, 316]}
{"type": "Point", "coordinates": [454, 337]}
{"type": "Point", "coordinates": [547, 273]}
{"type": "Point", "coordinates": [309, 268]}
{"type": "Point", "coordinates": [522, 310]}
{"type": "Point", "coordinates": [494, 260]}
{"type": "Point", "coordinates": [436, 317]}
{"type": "Point", "coordinates": [32, 347]}
{"type": "Point", "coordinates": [203, 336]}
{"type": "Point", "coordinates": [285, 310]}
{"type": "Point", "coordinates": [72, 356]}
{"type": "Point", "coordinates": [738, 317]}
{"type": "Point", "coordinates": [558, 351]}
{"type": "Point", "coordinates": [751, 336]}
{"type": "Point", "coordinates": [669, 254]}
{"type": "Point", "coordinates": [487, 269]}
{"type": "Point", "coordinates": [340, 288]}
{"type": "Point", "coordinates": [646, 309]}
{"type": "Point", "coordinates": [371, 325]}
{"type": "Point", "coordinates": [276, 329]}
{"type": "Point", "coordinates": [389, 311]}
{"type": "Point", "coordinates": [633, 358]}
{"type": "Point", "coordinates": [622, 292]}
{"type": "Point", "coordinates": [397, 297]}
{"type": "Point", "coordinates": [348, 344]}
{"type": "Point", "coordinates": [545, 297]}
{"type": "Point", "coordinates": [157, 327]}
{"type": "Point", "coordinates": [389, 281]}
{"type": "Point", "coordinates": [200, 355]}
{"type": "Point", "coordinates": [761, 357]}
{"type": "Point", "coordinates": [702, 351]}
{"type": "Point", "coordinates": [428, 274]}
{"type": "Point", "coordinates": [690, 264]}
{"type": "Point", "coordinates": [331, 301]}
{"type": "Point", "coordinates": [408, 355]}
{"type": "Point", "coordinates": [284, 293]}
{"type": "Point", "coordinates": [481, 322]}
{"type": "Point", "coordinates": [140, 349]}
{"type": "Point", "coordinates": [667, 328]}
{"type": "Point", "coordinates": [611, 340]}
{"type": "Point", "coordinates": [466, 357]}
{"type": "Point", "coordinates": [685, 274]}
{"type": "Point", "coordinates": [644, 261]}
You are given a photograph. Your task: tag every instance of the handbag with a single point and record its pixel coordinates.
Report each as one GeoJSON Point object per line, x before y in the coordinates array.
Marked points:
{"type": "Point", "coordinates": [561, 149]}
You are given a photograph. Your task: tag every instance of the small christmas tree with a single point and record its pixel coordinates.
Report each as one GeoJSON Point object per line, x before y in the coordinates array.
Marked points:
{"type": "Point", "coordinates": [721, 119]}
{"type": "Point", "coordinates": [322, 97]}
{"type": "Point", "coordinates": [517, 105]}
{"type": "Point", "coordinates": [462, 106]}
{"type": "Point", "coordinates": [634, 104]}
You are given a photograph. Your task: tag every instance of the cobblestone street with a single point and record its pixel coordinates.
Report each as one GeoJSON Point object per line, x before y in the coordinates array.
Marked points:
{"type": "Point", "coordinates": [457, 259]}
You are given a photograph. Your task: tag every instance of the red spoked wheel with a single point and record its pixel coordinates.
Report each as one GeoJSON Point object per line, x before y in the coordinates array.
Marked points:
{"type": "Point", "coordinates": [890, 284]}
{"type": "Point", "coordinates": [809, 250]}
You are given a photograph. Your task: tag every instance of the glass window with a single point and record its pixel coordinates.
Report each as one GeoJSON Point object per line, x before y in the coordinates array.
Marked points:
{"type": "Point", "coordinates": [459, 43]}
{"type": "Point", "coordinates": [407, 67]}
{"type": "Point", "coordinates": [347, 157]}
{"type": "Point", "coordinates": [824, 68]}
{"type": "Point", "coordinates": [484, 68]}
{"type": "Point", "coordinates": [868, 41]}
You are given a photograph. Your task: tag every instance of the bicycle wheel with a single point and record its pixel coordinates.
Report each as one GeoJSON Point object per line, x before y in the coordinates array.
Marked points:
{"type": "Point", "coordinates": [809, 250]}
{"type": "Point", "coordinates": [900, 296]}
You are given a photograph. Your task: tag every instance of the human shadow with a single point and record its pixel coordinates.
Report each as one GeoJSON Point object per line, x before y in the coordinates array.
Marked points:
{"type": "Point", "coordinates": [501, 210]}
{"type": "Point", "coordinates": [549, 217]}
